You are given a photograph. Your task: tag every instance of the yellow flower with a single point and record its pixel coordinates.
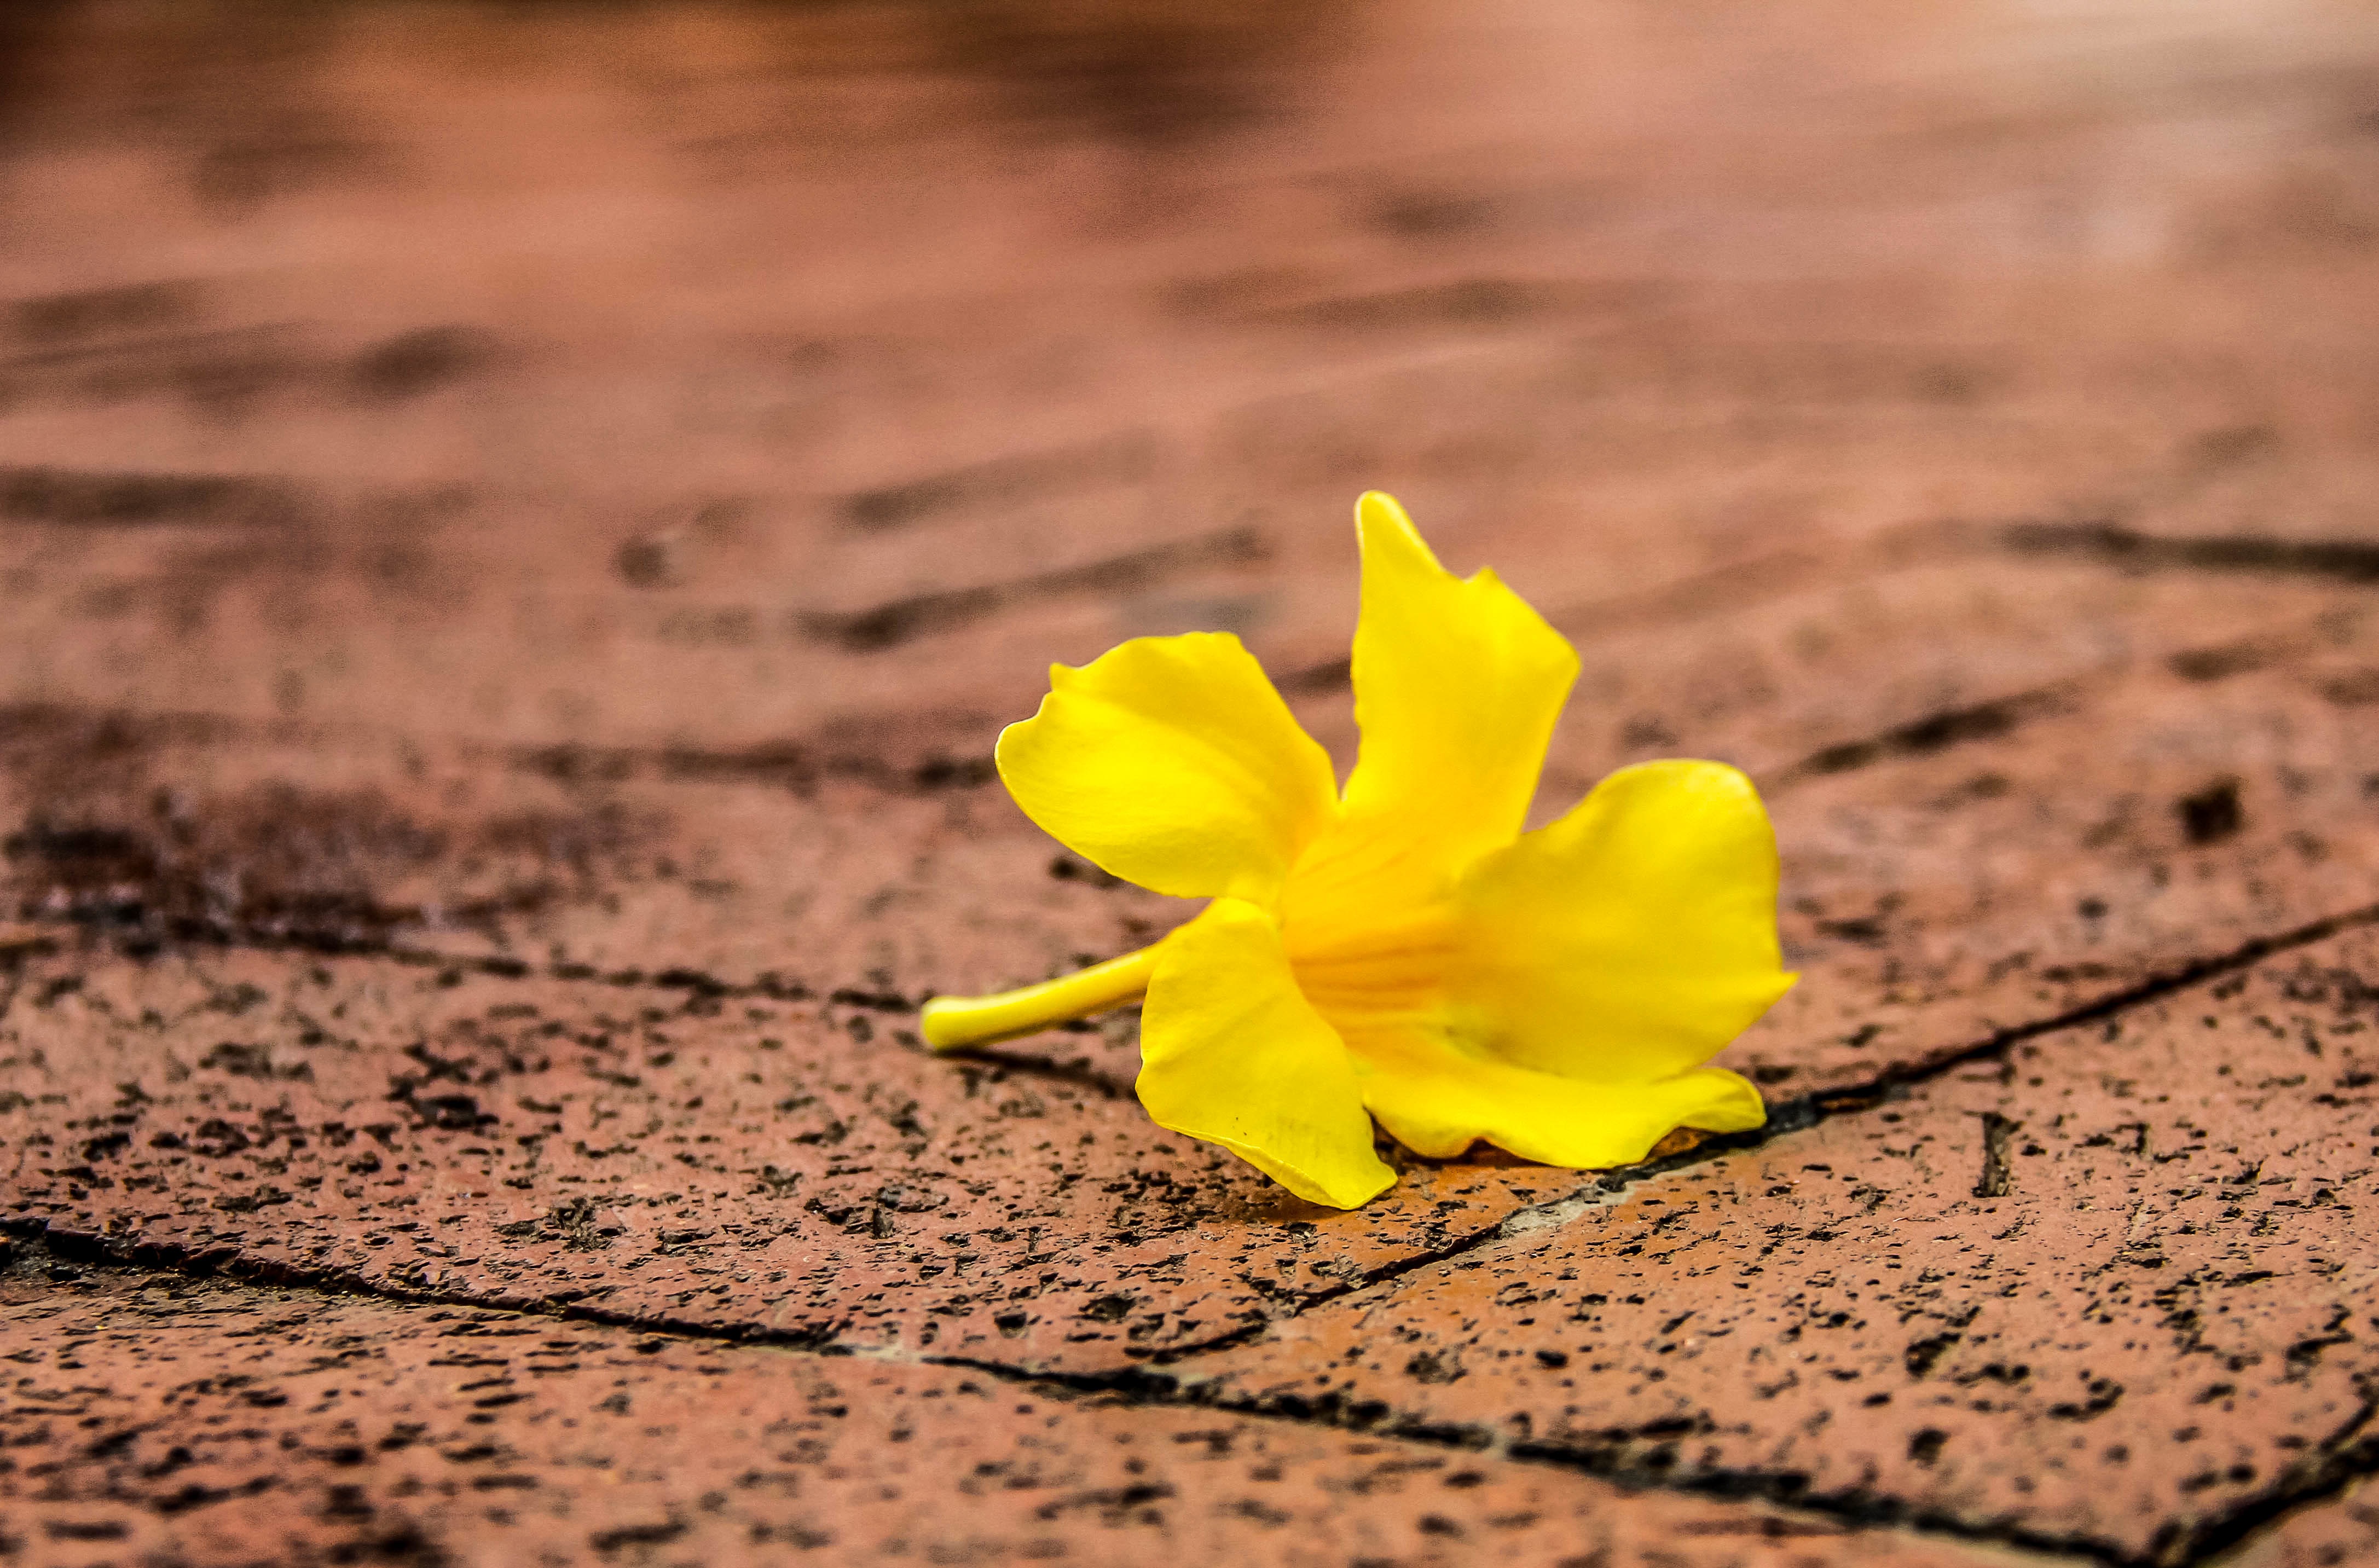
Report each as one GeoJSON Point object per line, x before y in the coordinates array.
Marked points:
{"type": "Point", "coordinates": [1400, 948]}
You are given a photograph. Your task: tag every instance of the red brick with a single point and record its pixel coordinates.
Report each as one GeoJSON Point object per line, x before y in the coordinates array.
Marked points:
{"type": "Point", "coordinates": [538, 429]}
{"type": "Point", "coordinates": [2108, 1289]}
{"type": "Point", "coordinates": [157, 1419]}
{"type": "Point", "coordinates": [789, 1170]}
{"type": "Point", "coordinates": [1922, 928]}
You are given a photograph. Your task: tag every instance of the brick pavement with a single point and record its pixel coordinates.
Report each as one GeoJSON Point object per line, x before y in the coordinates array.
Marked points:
{"type": "Point", "coordinates": [520, 526]}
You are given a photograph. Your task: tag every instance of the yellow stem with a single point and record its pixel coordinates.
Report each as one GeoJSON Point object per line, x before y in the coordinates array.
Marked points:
{"type": "Point", "coordinates": [951, 1024]}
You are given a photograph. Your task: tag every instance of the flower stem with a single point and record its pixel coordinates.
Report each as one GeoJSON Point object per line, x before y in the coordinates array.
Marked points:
{"type": "Point", "coordinates": [951, 1024]}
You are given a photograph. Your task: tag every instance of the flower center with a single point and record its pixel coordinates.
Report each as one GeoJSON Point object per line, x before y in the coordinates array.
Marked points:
{"type": "Point", "coordinates": [1391, 965]}
{"type": "Point", "coordinates": [1369, 929]}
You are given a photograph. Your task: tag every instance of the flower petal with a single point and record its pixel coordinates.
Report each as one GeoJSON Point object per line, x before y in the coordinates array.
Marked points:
{"type": "Point", "coordinates": [1457, 683]}
{"type": "Point", "coordinates": [1232, 1054]}
{"type": "Point", "coordinates": [1171, 762]}
{"type": "Point", "coordinates": [1627, 942]}
{"type": "Point", "coordinates": [1438, 1100]}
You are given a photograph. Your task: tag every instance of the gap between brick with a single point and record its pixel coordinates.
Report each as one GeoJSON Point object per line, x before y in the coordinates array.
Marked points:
{"type": "Point", "coordinates": [2347, 1455]}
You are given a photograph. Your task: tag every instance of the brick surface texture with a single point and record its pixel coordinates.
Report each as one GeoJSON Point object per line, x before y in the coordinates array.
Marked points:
{"type": "Point", "coordinates": [519, 526]}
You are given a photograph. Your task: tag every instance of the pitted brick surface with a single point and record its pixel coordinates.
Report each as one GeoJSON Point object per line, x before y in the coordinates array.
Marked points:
{"type": "Point", "coordinates": [193, 1422]}
{"type": "Point", "coordinates": [774, 869]}
{"type": "Point", "coordinates": [519, 526]}
{"type": "Point", "coordinates": [756, 1186]}
{"type": "Point", "coordinates": [787, 1170]}
{"type": "Point", "coordinates": [2109, 1288]}
{"type": "Point", "coordinates": [2057, 857]}
{"type": "Point", "coordinates": [1976, 866]}
{"type": "Point", "coordinates": [671, 1105]}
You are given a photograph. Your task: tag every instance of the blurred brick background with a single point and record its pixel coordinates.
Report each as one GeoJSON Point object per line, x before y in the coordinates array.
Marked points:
{"type": "Point", "coordinates": [519, 524]}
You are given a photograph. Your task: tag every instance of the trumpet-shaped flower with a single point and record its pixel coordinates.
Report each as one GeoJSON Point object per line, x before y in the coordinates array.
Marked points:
{"type": "Point", "coordinates": [1399, 949]}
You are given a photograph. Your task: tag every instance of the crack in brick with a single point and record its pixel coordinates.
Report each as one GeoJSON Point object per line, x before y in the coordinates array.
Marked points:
{"type": "Point", "coordinates": [2341, 1461]}
{"type": "Point", "coordinates": [1933, 732]}
{"type": "Point", "coordinates": [2344, 561]}
{"type": "Point", "coordinates": [785, 765]}
{"type": "Point", "coordinates": [331, 944]}
{"type": "Point", "coordinates": [899, 621]}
